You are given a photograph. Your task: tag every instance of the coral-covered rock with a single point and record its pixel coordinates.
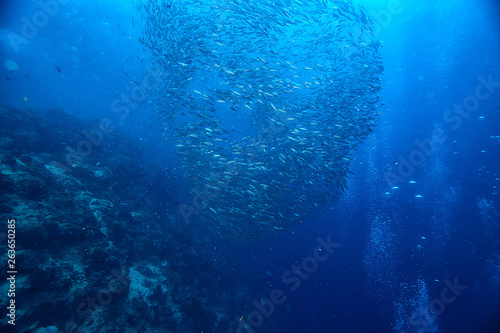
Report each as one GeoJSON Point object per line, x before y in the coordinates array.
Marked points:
{"type": "Point", "coordinates": [88, 227]}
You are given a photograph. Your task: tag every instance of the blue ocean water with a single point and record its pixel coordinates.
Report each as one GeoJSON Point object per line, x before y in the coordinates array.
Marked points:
{"type": "Point", "coordinates": [411, 245]}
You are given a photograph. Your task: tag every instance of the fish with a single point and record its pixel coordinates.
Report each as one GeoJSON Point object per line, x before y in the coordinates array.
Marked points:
{"type": "Point", "coordinates": [265, 103]}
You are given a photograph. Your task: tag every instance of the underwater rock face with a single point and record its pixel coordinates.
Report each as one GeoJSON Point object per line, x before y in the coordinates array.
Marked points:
{"type": "Point", "coordinates": [265, 101]}
{"type": "Point", "coordinates": [78, 234]}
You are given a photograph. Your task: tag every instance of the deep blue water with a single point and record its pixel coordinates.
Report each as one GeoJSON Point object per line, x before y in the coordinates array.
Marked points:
{"type": "Point", "coordinates": [401, 238]}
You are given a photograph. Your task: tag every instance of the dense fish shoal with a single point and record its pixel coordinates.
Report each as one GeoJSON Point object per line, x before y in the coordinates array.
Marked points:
{"type": "Point", "coordinates": [264, 101]}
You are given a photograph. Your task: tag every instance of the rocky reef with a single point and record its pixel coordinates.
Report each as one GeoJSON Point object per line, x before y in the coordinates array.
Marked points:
{"type": "Point", "coordinates": [95, 250]}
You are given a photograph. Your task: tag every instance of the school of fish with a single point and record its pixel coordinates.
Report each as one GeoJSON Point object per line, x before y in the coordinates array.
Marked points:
{"type": "Point", "coordinates": [265, 102]}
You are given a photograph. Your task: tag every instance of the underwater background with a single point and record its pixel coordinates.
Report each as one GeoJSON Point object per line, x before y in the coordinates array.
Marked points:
{"type": "Point", "coordinates": [236, 166]}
